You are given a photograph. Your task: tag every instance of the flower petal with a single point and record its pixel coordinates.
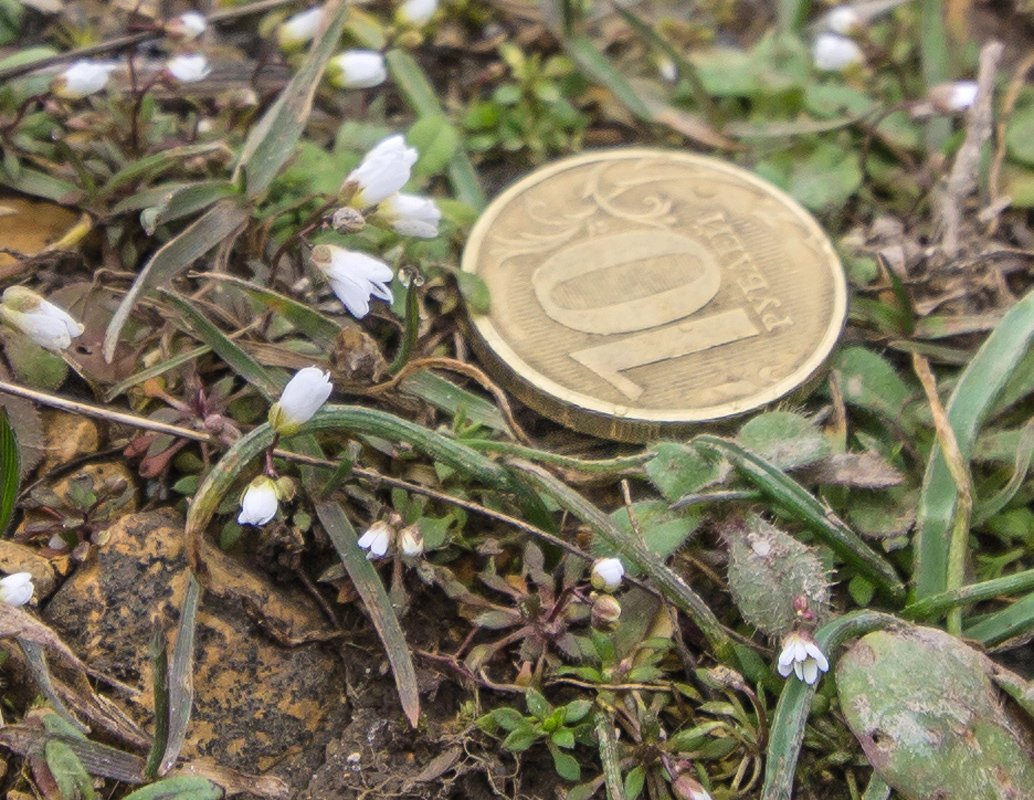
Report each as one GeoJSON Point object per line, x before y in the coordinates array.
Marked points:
{"type": "Point", "coordinates": [811, 671]}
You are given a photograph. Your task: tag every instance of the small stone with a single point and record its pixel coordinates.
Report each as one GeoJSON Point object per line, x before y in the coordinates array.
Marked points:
{"type": "Point", "coordinates": [16, 557]}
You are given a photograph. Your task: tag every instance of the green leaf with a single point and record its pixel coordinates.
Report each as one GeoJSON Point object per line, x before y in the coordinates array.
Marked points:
{"type": "Point", "coordinates": [785, 439]}
{"type": "Point", "coordinates": [678, 470]}
{"type": "Point", "coordinates": [10, 470]}
{"type": "Point", "coordinates": [565, 764]}
{"type": "Point", "coordinates": [1017, 135]}
{"type": "Point", "coordinates": [564, 737]}
{"type": "Point", "coordinates": [68, 771]}
{"type": "Point", "coordinates": [826, 177]}
{"type": "Point", "coordinates": [474, 291]}
{"type": "Point", "coordinates": [181, 787]}
{"type": "Point", "coordinates": [634, 782]}
{"type": "Point", "coordinates": [222, 221]}
{"type": "Point", "coordinates": [273, 139]}
{"type": "Point", "coordinates": [509, 719]}
{"type": "Point", "coordinates": [975, 393]}
{"type": "Point", "coordinates": [181, 676]}
{"type": "Point", "coordinates": [520, 739]}
{"type": "Point", "coordinates": [436, 140]}
{"type": "Point", "coordinates": [576, 711]}
{"type": "Point", "coordinates": [537, 704]}
{"type": "Point", "coordinates": [40, 184]}
{"type": "Point", "coordinates": [150, 166]}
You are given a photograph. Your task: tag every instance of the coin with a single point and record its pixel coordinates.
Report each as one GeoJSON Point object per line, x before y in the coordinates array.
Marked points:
{"type": "Point", "coordinates": [638, 293]}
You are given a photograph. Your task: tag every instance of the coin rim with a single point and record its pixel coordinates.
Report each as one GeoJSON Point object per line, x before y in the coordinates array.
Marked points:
{"type": "Point", "coordinates": [504, 357]}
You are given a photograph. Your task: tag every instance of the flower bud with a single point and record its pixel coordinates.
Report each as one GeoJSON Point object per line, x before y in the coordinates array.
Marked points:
{"type": "Point", "coordinates": [607, 574]}
{"type": "Point", "coordinates": [357, 69]}
{"type": "Point", "coordinates": [299, 28]}
{"type": "Point", "coordinates": [348, 220]}
{"type": "Point", "coordinates": [410, 215]}
{"type": "Point", "coordinates": [834, 53]}
{"type": "Point", "coordinates": [382, 172]}
{"type": "Point", "coordinates": [186, 27]}
{"type": "Point", "coordinates": [303, 396]}
{"type": "Point", "coordinates": [259, 502]}
{"type": "Point", "coordinates": [189, 68]}
{"type": "Point", "coordinates": [844, 20]}
{"type": "Point", "coordinates": [16, 589]}
{"type": "Point", "coordinates": [416, 12]}
{"type": "Point", "coordinates": [606, 612]}
{"type": "Point", "coordinates": [953, 97]}
{"type": "Point", "coordinates": [47, 325]}
{"type": "Point", "coordinates": [411, 541]}
{"type": "Point", "coordinates": [82, 78]}
{"type": "Point", "coordinates": [377, 539]}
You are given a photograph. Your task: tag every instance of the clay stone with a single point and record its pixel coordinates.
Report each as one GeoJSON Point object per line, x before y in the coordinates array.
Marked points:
{"type": "Point", "coordinates": [259, 707]}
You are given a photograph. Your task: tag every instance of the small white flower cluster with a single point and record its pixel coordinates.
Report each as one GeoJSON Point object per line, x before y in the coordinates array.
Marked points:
{"type": "Point", "coordinates": [834, 49]}
{"type": "Point", "coordinates": [43, 322]}
{"type": "Point", "coordinates": [372, 192]}
{"type": "Point", "coordinates": [299, 29]}
{"type": "Point", "coordinates": [802, 656]}
{"type": "Point", "coordinates": [379, 537]}
{"type": "Point", "coordinates": [86, 76]}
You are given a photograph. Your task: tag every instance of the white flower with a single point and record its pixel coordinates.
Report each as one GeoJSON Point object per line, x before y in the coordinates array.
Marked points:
{"type": "Point", "coordinates": [357, 69]}
{"type": "Point", "coordinates": [377, 539]}
{"type": "Point", "coordinates": [303, 396]}
{"type": "Point", "coordinates": [410, 215]}
{"type": "Point", "coordinates": [299, 28]}
{"type": "Point", "coordinates": [43, 322]}
{"type": "Point", "coordinates": [383, 171]}
{"type": "Point", "coordinates": [416, 12]}
{"type": "Point", "coordinates": [259, 502]}
{"type": "Point", "coordinates": [801, 655]}
{"type": "Point", "coordinates": [188, 68]}
{"type": "Point", "coordinates": [411, 541]}
{"type": "Point", "coordinates": [844, 20]}
{"type": "Point", "coordinates": [187, 26]}
{"type": "Point", "coordinates": [83, 78]}
{"type": "Point", "coordinates": [607, 574]}
{"type": "Point", "coordinates": [354, 277]}
{"type": "Point", "coordinates": [952, 97]}
{"type": "Point", "coordinates": [834, 53]}
{"type": "Point", "coordinates": [16, 589]}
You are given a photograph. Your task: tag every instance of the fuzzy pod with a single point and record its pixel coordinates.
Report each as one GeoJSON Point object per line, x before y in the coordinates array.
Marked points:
{"type": "Point", "coordinates": [925, 709]}
{"type": "Point", "coordinates": [768, 570]}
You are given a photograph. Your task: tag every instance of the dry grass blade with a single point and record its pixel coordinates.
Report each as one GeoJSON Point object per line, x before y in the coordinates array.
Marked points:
{"type": "Point", "coordinates": [181, 676]}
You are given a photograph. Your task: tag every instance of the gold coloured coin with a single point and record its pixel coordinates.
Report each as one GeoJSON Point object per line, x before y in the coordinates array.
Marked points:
{"type": "Point", "coordinates": [637, 293]}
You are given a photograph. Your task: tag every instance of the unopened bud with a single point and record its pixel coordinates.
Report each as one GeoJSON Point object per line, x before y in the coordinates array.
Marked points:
{"type": "Point", "coordinates": [606, 612]}
{"type": "Point", "coordinates": [411, 541]}
{"type": "Point", "coordinates": [348, 220]}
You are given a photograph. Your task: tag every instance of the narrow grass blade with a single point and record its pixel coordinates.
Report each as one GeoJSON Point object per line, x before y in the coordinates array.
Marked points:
{"type": "Point", "coordinates": [378, 605]}
{"type": "Point", "coordinates": [153, 372]}
{"type": "Point", "coordinates": [784, 490]}
{"type": "Point", "coordinates": [322, 330]}
{"type": "Point", "coordinates": [1022, 458]}
{"type": "Point", "coordinates": [606, 466]}
{"type": "Point", "coordinates": [423, 99]}
{"type": "Point", "coordinates": [220, 222]}
{"type": "Point", "coordinates": [1020, 690]}
{"type": "Point", "coordinates": [10, 470]}
{"type": "Point", "coordinates": [181, 676]}
{"type": "Point", "coordinates": [446, 396]}
{"type": "Point", "coordinates": [931, 607]}
{"type": "Point", "coordinates": [180, 787]}
{"type": "Point", "coordinates": [160, 677]}
{"type": "Point", "coordinates": [996, 628]}
{"type": "Point", "coordinates": [230, 352]}
{"type": "Point", "coordinates": [877, 789]}
{"type": "Point", "coordinates": [37, 662]}
{"type": "Point", "coordinates": [935, 58]}
{"type": "Point", "coordinates": [669, 582]}
{"type": "Point", "coordinates": [792, 14]}
{"type": "Point", "coordinates": [410, 330]}
{"type": "Point", "coordinates": [153, 165]}
{"type": "Point", "coordinates": [597, 67]}
{"type": "Point", "coordinates": [975, 393]}
{"type": "Point", "coordinates": [273, 139]}
{"type": "Point", "coordinates": [40, 184]}
{"type": "Point", "coordinates": [791, 714]}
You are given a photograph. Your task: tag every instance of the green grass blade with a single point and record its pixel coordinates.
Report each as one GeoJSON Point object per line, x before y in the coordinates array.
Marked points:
{"type": "Point", "coordinates": [936, 65]}
{"type": "Point", "coordinates": [152, 165]}
{"type": "Point", "coordinates": [273, 139]}
{"type": "Point", "coordinates": [159, 654]}
{"type": "Point", "coordinates": [597, 67]}
{"type": "Point", "coordinates": [785, 491]}
{"type": "Point", "coordinates": [669, 582]}
{"type": "Point", "coordinates": [1022, 458]}
{"type": "Point", "coordinates": [153, 372]}
{"type": "Point", "coordinates": [931, 607]}
{"type": "Point", "coordinates": [36, 660]}
{"type": "Point", "coordinates": [975, 393]}
{"type": "Point", "coordinates": [10, 471]}
{"type": "Point", "coordinates": [791, 714]}
{"type": "Point", "coordinates": [239, 361]}
{"type": "Point", "coordinates": [40, 184]}
{"type": "Point", "coordinates": [220, 222]}
{"type": "Point", "coordinates": [181, 676]}
{"type": "Point", "coordinates": [378, 605]}
{"type": "Point", "coordinates": [68, 771]}
{"type": "Point", "coordinates": [180, 787]}
{"type": "Point", "coordinates": [446, 396]}
{"type": "Point", "coordinates": [792, 14]}
{"type": "Point", "coordinates": [996, 628]}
